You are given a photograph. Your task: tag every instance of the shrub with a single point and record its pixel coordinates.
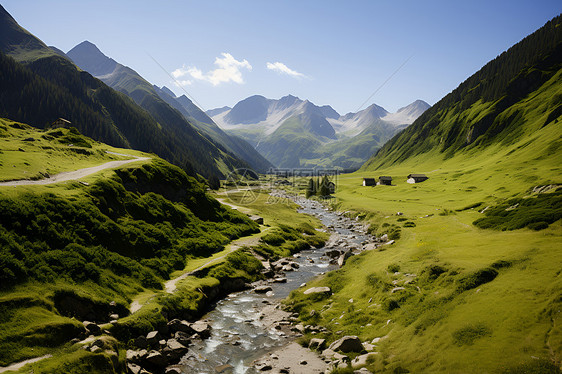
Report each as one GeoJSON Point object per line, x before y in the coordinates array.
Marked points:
{"type": "Point", "coordinates": [468, 334]}
{"type": "Point", "coordinates": [393, 268]}
{"type": "Point", "coordinates": [477, 278]}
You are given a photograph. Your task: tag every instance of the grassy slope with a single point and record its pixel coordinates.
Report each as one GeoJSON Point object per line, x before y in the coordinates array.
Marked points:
{"type": "Point", "coordinates": [506, 323]}
{"type": "Point", "coordinates": [43, 155]}
{"type": "Point", "coordinates": [31, 323]}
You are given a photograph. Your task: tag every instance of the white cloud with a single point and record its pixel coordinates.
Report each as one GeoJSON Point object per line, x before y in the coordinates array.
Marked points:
{"type": "Point", "coordinates": [281, 68]}
{"type": "Point", "coordinates": [228, 70]}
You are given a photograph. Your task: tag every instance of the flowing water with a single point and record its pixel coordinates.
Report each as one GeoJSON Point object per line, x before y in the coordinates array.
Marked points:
{"type": "Point", "coordinates": [238, 336]}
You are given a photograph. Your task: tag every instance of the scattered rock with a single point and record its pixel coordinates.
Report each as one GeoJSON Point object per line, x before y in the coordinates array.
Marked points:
{"type": "Point", "coordinates": [133, 368]}
{"type": "Point", "coordinates": [202, 328]}
{"type": "Point", "coordinates": [179, 325]}
{"type": "Point", "coordinates": [325, 290]}
{"type": "Point", "coordinates": [263, 366]}
{"type": "Point", "coordinates": [362, 360]}
{"type": "Point", "coordinates": [303, 362]}
{"type": "Point", "coordinates": [157, 359]}
{"type": "Point", "coordinates": [262, 289]}
{"type": "Point", "coordinates": [396, 289]}
{"type": "Point", "coordinates": [176, 348]}
{"type": "Point", "coordinates": [317, 344]}
{"type": "Point", "coordinates": [173, 370]}
{"type": "Point", "coordinates": [141, 342]}
{"type": "Point", "coordinates": [91, 327]}
{"type": "Point", "coordinates": [153, 338]}
{"type": "Point", "coordinates": [347, 344]}
{"type": "Point", "coordinates": [224, 369]}
{"type": "Point", "coordinates": [182, 337]}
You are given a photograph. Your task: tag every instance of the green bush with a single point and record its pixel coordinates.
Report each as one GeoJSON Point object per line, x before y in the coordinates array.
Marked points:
{"type": "Point", "coordinates": [477, 278]}
{"type": "Point", "coordinates": [468, 334]}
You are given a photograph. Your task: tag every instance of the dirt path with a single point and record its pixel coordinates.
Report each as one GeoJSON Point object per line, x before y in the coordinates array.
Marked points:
{"type": "Point", "coordinates": [170, 286]}
{"type": "Point", "coordinates": [19, 365]}
{"type": "Point", "coordinates": [76, 174]}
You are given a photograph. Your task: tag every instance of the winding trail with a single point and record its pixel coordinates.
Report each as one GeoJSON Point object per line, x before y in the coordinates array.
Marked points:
{"type": "Point", "coordinates": [19, 365]}
{"type": "Point", "coordinates": [76, 174]}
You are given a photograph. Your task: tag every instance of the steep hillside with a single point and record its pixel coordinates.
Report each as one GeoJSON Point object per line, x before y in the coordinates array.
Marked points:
{"type": "Point", "coordinates": [48, 86]}
{"type": "Point", "coordinates": [489, 108]}
{"type": "Point", "coordinates": [160, 103]}
{"type": "Point", "coordinates": [466, 264]}
{"type": "Point", "coordinates": [292, 132]}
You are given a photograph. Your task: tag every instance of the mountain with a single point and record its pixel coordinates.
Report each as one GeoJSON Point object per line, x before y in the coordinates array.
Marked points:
{"type": "Point", "coordinates": [498, 106]}
{"type": "Point", "coordinates": [216, 111]}
{"type": "Point", "coordinates": [162, 104]}
{"type": "Point", "coordinates": [291, 132]}
{"type": "Point", "coordinates": [206, 125]}
{"type": "Point", "coordinates": [44, 86]}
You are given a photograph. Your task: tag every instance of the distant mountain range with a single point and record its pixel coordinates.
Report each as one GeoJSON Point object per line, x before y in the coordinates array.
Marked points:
{"type": "Point", "coordinates": [162, 103]}
{"type": "Point", "coordinates": [291, 132]}
{"type": "Point", "coordinates": [41, 84]}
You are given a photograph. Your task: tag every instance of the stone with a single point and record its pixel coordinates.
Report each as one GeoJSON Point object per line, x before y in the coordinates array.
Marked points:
{"type": "Point", "coordinates": [262, 289]}
{"type": "Point", "coordinates": [368, 346]}
{"type": "Point", "coordinates": [343, 258]}
{"type": "Point", "coordinates": [95, 349]}
{"type": "Point", "coordinates": [287, 267]}
{"type": "Point", "coordinates": [303, 362]}
{"type": "Point", "coordinates": [317, 344]}
{"type": "Point", "coordinates": [179, 325]}
{"type": "Point", "coordinates": [176, 348]}
{"type": "Point", "coordinates": [182, 337]}
{"type": "Point", "coordinates": [362, 371]}
{"type": "Point", "coordinates": [136, 356]}
{"type": "Point", "coordinates": [92, 327]}
{"type": "Point", "coordinates": [157, 359]}
{"type": "Point", "coordinates": [384, 238]}
{"type": "Point", "coordinates": [133, 368]}
{"type": "Point", "coordinates": [202, 328]}
{"type": "Point", "coordinates": [280, 280]}
{"type": "Point", "coordinates": [347, 344]}
{"type": "Point", "coordinates": [224, 369]}
{"type": "Point", "coordinates": [312, 290]}
{"type": "Point", "coordinates": [141, 342]}
{"type": "Point", "coordinates": [362, 359]}
{"type": "Point", "coordinates": [173, 370]}
{"type": "Point", "coordinates": [263, 366]}
{"type": "Point", "coordinates": [114, 316]}
{"type": "Point", "coordinates": [98, 343]}
{"type": "Point", "coordinates": [396, 289]}
{"type": "Point", "coordinates": [153, 338]}
{"type": "Point", "coordinates": [333, 253]}
{"type": "Point", "coordinates": [390, 242]}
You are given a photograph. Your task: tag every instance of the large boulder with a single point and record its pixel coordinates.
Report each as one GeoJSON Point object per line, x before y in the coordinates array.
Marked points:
{"type": "Point", "coordinates": [174, 350]}
{"type": "Point", "coordinates": [313, 290]}
{"type": "Point", "coordinates": [343, 258]}
{"type": "Point", "coordinates": [347, 344]}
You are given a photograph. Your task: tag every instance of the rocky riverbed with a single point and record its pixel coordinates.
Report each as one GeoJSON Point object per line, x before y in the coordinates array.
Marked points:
{"type": "Point", "coordinates": [248, 332]}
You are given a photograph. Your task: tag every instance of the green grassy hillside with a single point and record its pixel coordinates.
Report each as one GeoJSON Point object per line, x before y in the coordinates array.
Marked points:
{"type": "Point", "coordinates": [68, 250]}
{"type": "Point", "coordinates": [472, 283]}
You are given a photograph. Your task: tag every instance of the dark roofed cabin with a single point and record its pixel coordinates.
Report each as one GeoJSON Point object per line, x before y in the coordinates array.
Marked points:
{"type": "Point", "coordinates": [416, 178]}
{"type": "Point", "coordinates": [385, 181]}
{"type": "Point", "coordinates": [369, 182]}
{"type": "Point", "coordinates": [61, 122]}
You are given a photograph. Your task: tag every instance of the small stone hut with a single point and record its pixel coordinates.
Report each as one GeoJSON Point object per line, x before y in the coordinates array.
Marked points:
{"type": "Point", "coordinates": [416, 178]}
{"type": "Point", "coordinates": [385, 181]}
{"type": "Point", "coordinates": [369, 182]}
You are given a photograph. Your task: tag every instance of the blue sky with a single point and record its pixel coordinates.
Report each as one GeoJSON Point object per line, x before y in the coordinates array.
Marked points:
{"type": "Point", "coordinates": [330, 52]}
